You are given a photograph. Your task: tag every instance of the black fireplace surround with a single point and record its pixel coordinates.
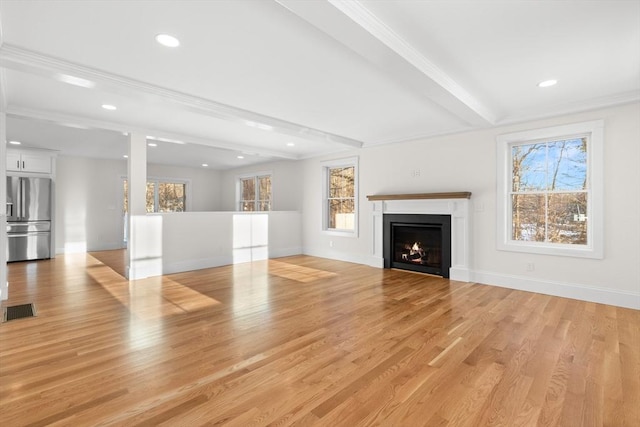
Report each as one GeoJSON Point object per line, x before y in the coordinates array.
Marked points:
{"type": "Point", "coordinates": [417, 242]}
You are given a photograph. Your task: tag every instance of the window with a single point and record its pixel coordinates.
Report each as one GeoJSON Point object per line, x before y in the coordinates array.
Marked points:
{"type": "Point", "coordinates": [550, 190]}
{"type": "Point", "coordinates": [162, 196]}
{"type": "Point", "coordinates": [340, 196]}
{"type": "Point", "coordinates": [255, 193]}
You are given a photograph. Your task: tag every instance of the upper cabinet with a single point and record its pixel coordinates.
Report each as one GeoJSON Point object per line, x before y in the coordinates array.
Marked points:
{"type": "Point", "coordinates": [31, 161]}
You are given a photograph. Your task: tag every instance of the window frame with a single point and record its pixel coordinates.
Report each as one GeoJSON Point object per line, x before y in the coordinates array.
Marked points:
{"type": "Point", "coordinates": [334, 164]}
{"type": "Point", "coordinates": [594, 132]}
{"type": "Point", "coordinates": [256, 200]}
{"type": "Point", "coordinates": [156, 180]}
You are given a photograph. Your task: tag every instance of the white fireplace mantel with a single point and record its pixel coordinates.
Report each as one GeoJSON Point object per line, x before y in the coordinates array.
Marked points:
{"type": "Point", "coordinates": [454, 204]}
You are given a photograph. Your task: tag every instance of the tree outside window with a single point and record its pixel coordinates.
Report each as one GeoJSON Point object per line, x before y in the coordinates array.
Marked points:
{"type": "Point", "coordinates": [255, 193]}
{"type": "Point", "coordinates": [341, 200]}
{"type": "Point", "coordinates": [161, 196]}
{"type": "Point", "coordinates": [340, 196]}
{"type": "Point", "coordinates": [550, 191]}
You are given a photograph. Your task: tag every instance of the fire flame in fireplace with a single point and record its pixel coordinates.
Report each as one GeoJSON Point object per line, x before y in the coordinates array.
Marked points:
{"type": "Point", "coordinates": [416, 253]}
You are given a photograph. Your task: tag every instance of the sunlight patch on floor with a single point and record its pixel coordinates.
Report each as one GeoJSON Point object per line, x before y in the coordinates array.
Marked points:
{"type": "Point", "coordinates": [297, 272]}
{"type": "Point", "coordinates": [150, 298]}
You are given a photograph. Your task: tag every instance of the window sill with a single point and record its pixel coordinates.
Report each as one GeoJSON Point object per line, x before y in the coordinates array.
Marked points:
{"type": "Point", "coordinates": [343, 233]}
{"type": "Point", "coordinates": [552, 249]}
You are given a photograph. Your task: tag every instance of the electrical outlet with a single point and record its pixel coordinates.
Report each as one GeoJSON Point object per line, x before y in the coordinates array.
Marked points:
{"type": "Point", "coordinates": [330, 243]}
{"type": "Point", "coordinates": [531, 266]}
{"type": "Point", "coordinates": [416, 173]}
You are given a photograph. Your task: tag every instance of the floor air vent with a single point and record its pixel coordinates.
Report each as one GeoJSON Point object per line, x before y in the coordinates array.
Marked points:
{"type": "Point", "coordinates": [19, 312]}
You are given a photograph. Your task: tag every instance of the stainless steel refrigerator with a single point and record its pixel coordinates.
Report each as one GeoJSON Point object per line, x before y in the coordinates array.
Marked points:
{"type": "Point", "coordinates": [28, 218]}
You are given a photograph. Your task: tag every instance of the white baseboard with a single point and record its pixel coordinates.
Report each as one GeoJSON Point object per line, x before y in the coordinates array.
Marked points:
{"type": "Point", "coordinates": [374, 261]}
{"type": "Point", "coordinates": [143, 268]}
{"type": "Point", "coordinates": [196, 264]}
{"type": "Point", "coordinates": [460, 274]}
{"type": "Point", "coordinates": [82, 249]}
{"type": "Point", "coordinates": [566, 290]}
{"type": "Point", "coordinates": [279, 253]}
{"type": "Point", "coordinates": [218, 261]}
{"type": "Point", "coordinates": [339, 256]}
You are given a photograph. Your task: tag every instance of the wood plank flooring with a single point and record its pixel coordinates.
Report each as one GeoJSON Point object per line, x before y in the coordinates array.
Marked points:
{"type": "Point", "coordinates": [305, 341]}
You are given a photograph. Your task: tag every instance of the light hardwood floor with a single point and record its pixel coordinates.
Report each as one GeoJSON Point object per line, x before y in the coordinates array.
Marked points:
{"type": "Point", "coordinates": [307, 341]}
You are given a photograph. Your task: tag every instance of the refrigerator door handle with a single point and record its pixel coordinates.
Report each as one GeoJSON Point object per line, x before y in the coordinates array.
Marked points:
{"type": "Point", "coordinates": [9, 209]}
{"type": "Point", "coordinates": [23, 196]}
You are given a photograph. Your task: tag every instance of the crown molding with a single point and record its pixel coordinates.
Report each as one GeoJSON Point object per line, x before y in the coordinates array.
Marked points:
{"type": "Point", "coordinates": [74, 121]}
{"type": "Point", "coordinates": [571, 108]}
{"type": "Point", "coordinates": [561, 110]}
{"type": "Point", "coordinates": [420, 136]}
{"type": "Point", "coordinates": [24, 60]}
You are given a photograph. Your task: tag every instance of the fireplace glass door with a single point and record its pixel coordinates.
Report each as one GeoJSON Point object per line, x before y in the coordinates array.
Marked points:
{"type": "Point", "coordinates": [418, 242]}
{"type": "Point", "coordinates": [418, 245]}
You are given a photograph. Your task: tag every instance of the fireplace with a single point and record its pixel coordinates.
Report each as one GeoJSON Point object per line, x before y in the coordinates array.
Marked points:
{"type": "Point", "coordinates": [418, 242]}
{"type": "Point", "coordinates": [454, 205]}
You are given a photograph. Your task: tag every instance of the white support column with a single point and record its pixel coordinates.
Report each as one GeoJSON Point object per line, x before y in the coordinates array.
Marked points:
{"type": "Point", "coordinates": [136, 194]}
{"type": "Point", "coordinates": [137, 172]}
{"type": "Point", "coordinates": [4, 286]}
{"type": "Point", "coordinates": [144, 248]}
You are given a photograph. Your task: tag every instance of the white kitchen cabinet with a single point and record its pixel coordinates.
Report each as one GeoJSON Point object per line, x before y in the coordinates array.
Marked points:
{"type": "Point", "coordinates": [37, 162]}
{"type": "Point", "coordinates": [13, 161]}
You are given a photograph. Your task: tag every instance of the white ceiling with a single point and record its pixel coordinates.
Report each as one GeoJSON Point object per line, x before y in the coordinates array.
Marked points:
{"type": "Point", "coordinates": [253, 77]}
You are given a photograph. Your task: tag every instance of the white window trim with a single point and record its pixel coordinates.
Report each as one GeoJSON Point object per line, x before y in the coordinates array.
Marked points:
{"type": "Point", "coordinates": [595, 150]}
{"type": "Point", "coordinates": [239, 189]}
{"type": "Point", "coordinates": [326, 165]}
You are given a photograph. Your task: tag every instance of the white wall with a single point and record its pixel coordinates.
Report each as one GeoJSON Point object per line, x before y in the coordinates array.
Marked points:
{"type": "Point", "coordinates": [88, 206]}
{"type": "Point", "coordinates": [196, 240]}
{"type": "Point", "coordinates": [205, 184]}
{"type": "Point", "coordinates": [286, 185]}
{"type": "Point", "coordinates": [467, 162]}
{"type": "Point", "coordinates": [89, 199]}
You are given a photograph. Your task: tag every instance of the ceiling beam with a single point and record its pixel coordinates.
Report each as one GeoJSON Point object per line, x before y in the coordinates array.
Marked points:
{"type": "Point", "coordinates": [74, 121]}
{"type": "Point", "coordinates": [24, 60]}
{"type": "Point", "coordinates": [354, 26]}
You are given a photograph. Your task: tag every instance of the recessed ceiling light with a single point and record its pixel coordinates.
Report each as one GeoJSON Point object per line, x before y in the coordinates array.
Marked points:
{"type": "Point", "coordinates": [547, 83]}
{"type": "Point", "coordinates": [241, 157]}
{"type": "Point", "coordinates": [125, 156]}
{"type": "Point", "coordinates": [109, 107]}
{"type": "Point", "coordinates": [167, 40]}
{"type": "Point", "coordinates": [152, 144]}
{"type": "Point", "coordinates": [290, 144]}
{"type": "Point", "coordinates": [15, 142]}
{"type": "Point", "coordinates": [205, 165]}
